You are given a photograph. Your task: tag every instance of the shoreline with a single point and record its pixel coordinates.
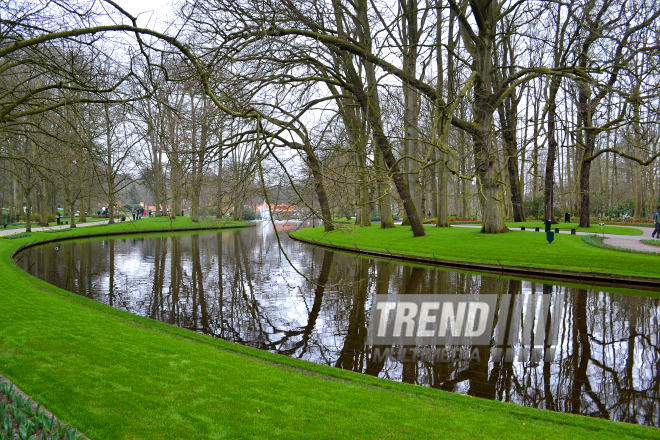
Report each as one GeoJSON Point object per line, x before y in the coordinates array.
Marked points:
{"type": "Point", "coordinates": [74, 342]}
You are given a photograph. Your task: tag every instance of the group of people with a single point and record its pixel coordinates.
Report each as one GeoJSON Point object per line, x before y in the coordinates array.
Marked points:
{"type": "Point", "coordinates": [137, 215]}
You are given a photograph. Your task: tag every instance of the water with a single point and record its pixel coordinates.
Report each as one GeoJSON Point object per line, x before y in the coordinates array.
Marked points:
{"type": "Point", "coordinates": [237, 285]}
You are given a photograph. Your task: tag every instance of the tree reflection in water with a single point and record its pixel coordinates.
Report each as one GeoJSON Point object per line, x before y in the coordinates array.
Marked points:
{"type": "Point", "coordinates": [238, 286]}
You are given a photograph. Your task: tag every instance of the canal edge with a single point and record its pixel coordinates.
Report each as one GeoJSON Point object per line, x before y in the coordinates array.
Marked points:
{"type": "Point", "coordinates": [111, 234]}
{"type": "Point", "coordinates": [591, 278]}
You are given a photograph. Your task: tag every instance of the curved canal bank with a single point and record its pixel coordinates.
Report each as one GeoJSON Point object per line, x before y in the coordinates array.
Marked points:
{"type": "Point", "coordinates": [516, 253]}
{"type": "Point", "coordinates": [117, 375]}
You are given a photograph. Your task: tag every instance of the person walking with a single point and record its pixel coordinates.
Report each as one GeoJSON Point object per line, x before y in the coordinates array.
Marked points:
{"type": "Point", "coordinates": [656, 219]}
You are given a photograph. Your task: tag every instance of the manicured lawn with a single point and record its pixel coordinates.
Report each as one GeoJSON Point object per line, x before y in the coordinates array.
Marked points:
{"type": "Point", "coordinates": [144, 225]}
{"type": "Point", "coordinates": [515, 248]}
{"type": "Point", "coordinates": [595, 227]}
{"type": "Point", "coordinates": [118, 376]}
{"type": "Point", "coordinates": [36, 225]}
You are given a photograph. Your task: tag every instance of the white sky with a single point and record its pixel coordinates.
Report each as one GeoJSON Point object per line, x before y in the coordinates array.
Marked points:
{"type": "Point", "coordinates": [148, 11]}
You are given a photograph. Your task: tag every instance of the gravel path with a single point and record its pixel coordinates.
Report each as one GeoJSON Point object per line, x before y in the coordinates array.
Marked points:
{"type": "Point", "coordinates": [634, 242]}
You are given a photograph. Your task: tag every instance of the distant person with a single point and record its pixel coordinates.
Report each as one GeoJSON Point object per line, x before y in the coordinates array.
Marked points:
{"type": "Point", "coordinates": [133, 212]}
{"type": "Point", "coordinates": [429, 215]}
{"type": "Point", "coordinates": [182, 213]}
{"type": "Point", "coordinates": [656, 219]}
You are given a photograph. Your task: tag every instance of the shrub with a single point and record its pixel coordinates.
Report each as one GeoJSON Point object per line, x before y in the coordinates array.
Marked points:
{"type": "Point", "coordinates": [374, 216]}
{"type": "Point", "coordinates": [249, 214]}
{"type": "Point", "coordinates": [33, 218]}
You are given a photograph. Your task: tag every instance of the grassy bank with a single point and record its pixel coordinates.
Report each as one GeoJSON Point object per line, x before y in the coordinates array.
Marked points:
{"type": "Point", "coordinates": [148, 224]}
{"type": "Point", "coordinates": [594, 228]}
{"type": "Point", "coordinates": [114, 375]}
{"type": "Point", "coordinates": [21, 225]}
{"type": "Point", "coordinates": [516, 248]}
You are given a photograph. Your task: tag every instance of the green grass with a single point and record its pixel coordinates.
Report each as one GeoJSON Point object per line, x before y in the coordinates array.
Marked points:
{"type": "Point", "coordinates": [344, 220]}
{"type": "Point", "coordinates": [595, 228]}
{"type": "Point", "coordinates": [113, 375]}
{"type": "Point", "coordinates": [516, 248]}
{"type": "Point", "coordinates": [21, 225]}
{"type": "Point", "coordinates": [144, 225]}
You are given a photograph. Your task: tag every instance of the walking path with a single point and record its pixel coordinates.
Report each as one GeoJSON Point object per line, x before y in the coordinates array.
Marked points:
{"type": "Point", "coordinates": [48, 228]}
{"type": "Point", "coordinates": [633, 242]}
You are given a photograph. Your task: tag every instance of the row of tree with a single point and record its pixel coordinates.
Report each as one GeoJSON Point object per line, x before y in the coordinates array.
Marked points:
{"type": "Point", "coordinates": [463, 107]}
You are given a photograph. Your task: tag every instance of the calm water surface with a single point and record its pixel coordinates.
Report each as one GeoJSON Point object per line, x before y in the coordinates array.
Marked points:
{"type": "Point", "coordinates": [237, 285]}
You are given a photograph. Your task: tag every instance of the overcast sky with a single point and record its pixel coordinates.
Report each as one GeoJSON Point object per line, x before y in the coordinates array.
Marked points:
{"type": "Point", "coordinates": [149, 11]}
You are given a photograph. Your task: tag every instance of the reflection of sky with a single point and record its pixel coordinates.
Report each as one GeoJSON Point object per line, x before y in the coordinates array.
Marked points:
{"type": "Point", "coordinates": [258, 299]}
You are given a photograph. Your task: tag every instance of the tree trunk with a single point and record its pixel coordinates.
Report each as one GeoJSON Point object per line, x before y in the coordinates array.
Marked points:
{"type": "Point", "coordinates": [238, 210]}
{"type": "Point", "coordinates": [489, 185]}
{"type": "Point", "coordinates": [443, 174]}
{"type": "Point", "coordinates": [508, 112]}
{"type": "Point", "coordinates": [108, 170]}
{"type": "Point", "coordinates": [364, 199]}
{"type": "Point", "coordinates": [370, 105]}
{"type": "Point", "coordinates": [585, 172]}
{"type": "Point", "coordinates": [549, 192]}
{"type": "Point", "coordinates": [111, 207]}
{"type": "Point", "coordinates": [637, 144]}
{"type": "Point", "coordinates": [13, 198]}
{"type": "Point", "coordinates": [175, 179]}
{"type": "Point", "coordinates": [315, 166]}
{"type": "Point", "coordinates": [72, 210]}
{"type": "Point", "coordinates": [384, 203]}
{"type": "Point", "coordinates": [197, 158]}
{"type": "Point", "coordinates": [82, 218]}
{"type": "Point", "coordinates": [43, 204]}
{"type": "Point", "coordinates": [28, 211]}
{"type": "Point", "coordinates": [218, 204]}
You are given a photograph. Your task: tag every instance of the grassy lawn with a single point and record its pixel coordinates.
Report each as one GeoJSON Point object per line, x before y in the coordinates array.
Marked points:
{"type": "Point", "coordinates": [144, 225]}
{"type": "Point", "coordinates": [516, 248]}
{"type": "Point", "coordinates": [21, 225]}
{"type": "Point", "coordinates": [595, 227]}
{"type": "Point", "coordinates": [118, 376]}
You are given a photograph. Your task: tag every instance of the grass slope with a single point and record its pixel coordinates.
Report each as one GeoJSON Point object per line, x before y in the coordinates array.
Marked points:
{"type": "Point", "coordinates": [595, 227]}
{"type": "Point", "coordinates": [515, 248]}
{"type": "Point", "coordinates": [118, 376]}
{"type": "Point", "coordinates": [21, 225]}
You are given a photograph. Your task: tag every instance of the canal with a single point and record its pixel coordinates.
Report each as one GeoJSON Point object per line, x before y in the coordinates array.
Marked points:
{"type": "Point", "coordinates": [564, 347]}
